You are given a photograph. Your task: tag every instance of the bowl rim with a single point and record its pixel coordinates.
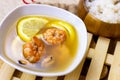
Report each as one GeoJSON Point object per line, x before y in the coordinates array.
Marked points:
{"type": "Point", "coordinates": [43, 73]}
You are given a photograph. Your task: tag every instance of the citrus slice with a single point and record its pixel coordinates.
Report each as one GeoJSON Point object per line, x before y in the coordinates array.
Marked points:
{"type": "Point", "coordinates": [28, 27]}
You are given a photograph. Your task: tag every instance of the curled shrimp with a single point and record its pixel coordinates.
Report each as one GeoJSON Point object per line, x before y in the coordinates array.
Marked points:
{"type": "Point", "coordinates": [33, 50]}
{"type": "Point", "coordinates": [54, 36]}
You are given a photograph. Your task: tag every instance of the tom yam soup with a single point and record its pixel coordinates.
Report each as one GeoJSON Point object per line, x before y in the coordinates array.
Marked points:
{"type": "Point", "coordinates": [42, 43]}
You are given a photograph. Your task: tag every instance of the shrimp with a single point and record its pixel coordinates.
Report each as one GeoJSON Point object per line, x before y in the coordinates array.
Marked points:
{"type": "Point", "coordinates": [54, 36]}
{"type": "Point", "coordinates": [33, 50]}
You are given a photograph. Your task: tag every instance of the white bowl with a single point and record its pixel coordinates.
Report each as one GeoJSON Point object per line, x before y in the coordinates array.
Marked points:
{"type": "Point", "coordinates": [40, 9]}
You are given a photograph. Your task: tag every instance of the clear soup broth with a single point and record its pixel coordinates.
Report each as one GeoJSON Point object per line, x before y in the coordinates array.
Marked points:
{"type": "Point", "coordinates": [62, 54]}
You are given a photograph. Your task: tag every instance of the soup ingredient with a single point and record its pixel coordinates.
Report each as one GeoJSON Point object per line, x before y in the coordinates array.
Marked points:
{"type": "Point", "coordinates": [68, 28]}
{"type": "Point", "coordinates": [48, 61]}
{"type": "Point", "coordinates": [54, 36]}
{"type": "Point", "coordinates": [48, 49]}
{"type": "Point", "coordinates": [33, 50]}
{"type": "Point", "coordinates": [22, 62]}
{"type": "Point", "coordinates": [105, 10]}
{"type": "Point", "coordinates": [29, 26]}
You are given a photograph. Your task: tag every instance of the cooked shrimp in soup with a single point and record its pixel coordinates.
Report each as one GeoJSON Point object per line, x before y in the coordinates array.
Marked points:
{"type": "Point", "coordinates": [33, 50]}
{"type": "Point", "coordinates": [54, 36]}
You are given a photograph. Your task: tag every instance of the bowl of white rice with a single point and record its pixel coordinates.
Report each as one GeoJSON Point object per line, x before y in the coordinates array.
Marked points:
{"type": "Point", "coordinates": [102, 17]}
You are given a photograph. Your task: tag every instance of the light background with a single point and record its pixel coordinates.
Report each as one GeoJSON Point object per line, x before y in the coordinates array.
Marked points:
{"type": "Point", "coordinates": [7, 5]}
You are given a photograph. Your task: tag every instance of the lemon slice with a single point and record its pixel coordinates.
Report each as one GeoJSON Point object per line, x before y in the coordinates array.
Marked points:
{"type": "Point", "coordinates": [28, 27]}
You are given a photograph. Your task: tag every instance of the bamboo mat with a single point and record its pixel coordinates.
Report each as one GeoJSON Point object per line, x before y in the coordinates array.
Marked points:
{"type": "Point", "coordinates": [101, 63]}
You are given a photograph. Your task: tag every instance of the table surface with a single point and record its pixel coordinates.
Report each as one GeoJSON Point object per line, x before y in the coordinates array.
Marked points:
{"type": "Point", "coordinates": [7, 5]}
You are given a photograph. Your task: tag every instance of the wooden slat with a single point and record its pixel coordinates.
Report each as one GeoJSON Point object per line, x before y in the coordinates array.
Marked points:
{"type": "Point", "coordinates": [76, 73]}
{"type": "Point", "coordinates": [1, 62]}
{"type": "Point", "coordinates": [49, 78]}
{"type": "Point", "coordinates": [89, 39]}
{"type": "Point", "coordinates": [115, 67]}
{"type": "Point", "coordinates": [90, 53]}
{"type": "Point", "coordinates": [6, 72]}
{"type": "Point", "coordinates": [109, 57]}
{"type": "Point", "coordinates": [98, 59]}
{"type": "Point", "coordinates": [27, 76]}
{"type": "Point", "coordinates": [15, 78]}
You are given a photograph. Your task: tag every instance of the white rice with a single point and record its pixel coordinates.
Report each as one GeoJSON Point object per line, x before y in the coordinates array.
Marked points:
{"type": "Point", "coordinates": [105, 10]}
